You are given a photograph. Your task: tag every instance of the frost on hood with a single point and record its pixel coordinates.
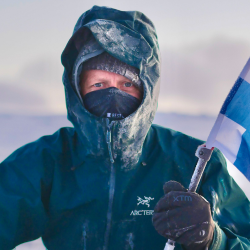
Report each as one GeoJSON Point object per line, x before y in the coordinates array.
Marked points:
{"type": "Point", "coordinates": [90, 49]}
{"type": "Point", "coordinates": [134, 42]}
{"type": "Point", "coordinates": [120, 41]}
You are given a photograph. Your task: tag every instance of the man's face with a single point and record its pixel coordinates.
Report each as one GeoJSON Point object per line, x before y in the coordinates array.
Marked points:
{"type": "Point", "coordinates": [93, 80]}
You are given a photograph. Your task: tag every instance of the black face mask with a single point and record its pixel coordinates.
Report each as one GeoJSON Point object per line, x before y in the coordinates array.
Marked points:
{"type": "Point", "coordinates": [111, 103]}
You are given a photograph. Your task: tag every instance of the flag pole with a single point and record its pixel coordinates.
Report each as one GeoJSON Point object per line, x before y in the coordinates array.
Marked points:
{"type": "Point", "coordinates": [204, 155]}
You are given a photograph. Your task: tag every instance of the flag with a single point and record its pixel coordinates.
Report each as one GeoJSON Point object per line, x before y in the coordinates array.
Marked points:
{"type": "Point", "coordinates": [231, 131]}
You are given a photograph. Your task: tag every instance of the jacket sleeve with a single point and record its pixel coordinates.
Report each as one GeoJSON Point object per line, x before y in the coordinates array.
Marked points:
{"type": "Point", "coordinates": [229, 206]}
{"type": "Point", "coordinates": [24, 192]}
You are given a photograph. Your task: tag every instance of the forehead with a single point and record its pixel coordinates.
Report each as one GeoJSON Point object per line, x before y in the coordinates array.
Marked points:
{"type": "Point", "coordinates": [94, 75]}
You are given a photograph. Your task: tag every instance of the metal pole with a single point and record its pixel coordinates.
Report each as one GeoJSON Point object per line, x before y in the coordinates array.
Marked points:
{"type": "Point", "coordinates": [204, 155]}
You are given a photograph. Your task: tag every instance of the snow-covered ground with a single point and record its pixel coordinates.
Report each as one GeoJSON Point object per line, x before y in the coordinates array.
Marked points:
{"type": "Point", "coordinates": [16, 131]}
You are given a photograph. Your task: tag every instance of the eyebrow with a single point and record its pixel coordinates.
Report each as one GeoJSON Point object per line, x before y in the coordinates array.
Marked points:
{"type": "Point", "coordinates": [101, 79]}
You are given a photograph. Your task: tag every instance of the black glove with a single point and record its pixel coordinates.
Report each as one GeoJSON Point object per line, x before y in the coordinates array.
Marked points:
{"type": "Point", "coordinates": [184, 217]}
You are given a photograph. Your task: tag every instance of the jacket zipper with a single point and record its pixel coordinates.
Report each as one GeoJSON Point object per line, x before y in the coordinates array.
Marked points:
{"type": "Point", "coordinates": [111, 184]}
{"type": "Point", "coordinates": [108, 140]}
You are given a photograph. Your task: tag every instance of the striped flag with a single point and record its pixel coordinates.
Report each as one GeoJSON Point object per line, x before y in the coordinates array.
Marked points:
{"type": "Point", "coordinates": [231, 131]}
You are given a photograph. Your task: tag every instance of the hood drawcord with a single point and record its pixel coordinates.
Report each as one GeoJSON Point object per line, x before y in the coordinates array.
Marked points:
{"type": "Point", "coordinates": [108, 139]}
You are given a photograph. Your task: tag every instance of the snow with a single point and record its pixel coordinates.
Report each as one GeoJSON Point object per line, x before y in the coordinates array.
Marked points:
{"type": "Point", "coordinates": [16, 131]}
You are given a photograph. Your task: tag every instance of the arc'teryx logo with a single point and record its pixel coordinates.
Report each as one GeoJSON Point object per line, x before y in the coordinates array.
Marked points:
{"type": "Point", "coordinates": [144, 202]}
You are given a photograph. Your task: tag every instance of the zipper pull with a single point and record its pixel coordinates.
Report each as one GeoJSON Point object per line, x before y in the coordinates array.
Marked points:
{"type": "Point", "coordinates": [108, 136]}
{"type": "Point", "coordinates": [108, 139]}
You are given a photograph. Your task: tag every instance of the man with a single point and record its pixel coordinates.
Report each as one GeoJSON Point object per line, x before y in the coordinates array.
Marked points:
{"type": "Point", "coordinates": [95, 186]}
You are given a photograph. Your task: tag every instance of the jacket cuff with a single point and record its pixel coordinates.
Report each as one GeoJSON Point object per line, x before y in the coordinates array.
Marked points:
{"type": "Point", "coordinates": [219, 240]}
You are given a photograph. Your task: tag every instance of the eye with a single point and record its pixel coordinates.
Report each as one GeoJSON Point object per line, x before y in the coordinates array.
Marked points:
{"type": "Point", "coordinates": [98, 85]}
{"type": "Point", "coordinates": [128, 84]}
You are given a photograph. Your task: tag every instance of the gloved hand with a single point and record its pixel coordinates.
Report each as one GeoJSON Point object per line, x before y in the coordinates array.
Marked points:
{"type": "Point", "coordinates": [184, 217]}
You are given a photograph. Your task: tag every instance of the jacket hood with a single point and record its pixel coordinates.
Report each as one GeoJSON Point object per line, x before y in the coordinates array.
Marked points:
{"type": "Point", "coordinates": [130, 37]}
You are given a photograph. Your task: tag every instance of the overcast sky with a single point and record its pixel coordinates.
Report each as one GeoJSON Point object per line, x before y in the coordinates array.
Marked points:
{"type": "Point", "coordinates": [204, 46]}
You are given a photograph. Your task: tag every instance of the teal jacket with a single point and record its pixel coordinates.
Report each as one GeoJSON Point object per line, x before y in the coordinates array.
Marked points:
{"type": "Point", "coordinates": [94, 186]}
